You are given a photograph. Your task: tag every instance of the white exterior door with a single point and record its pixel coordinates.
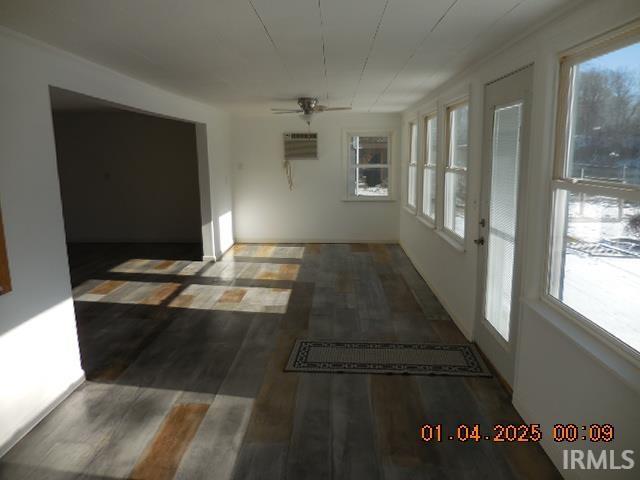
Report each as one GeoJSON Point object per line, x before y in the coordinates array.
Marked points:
{"type": "Point", "coordinates": [506, 120]}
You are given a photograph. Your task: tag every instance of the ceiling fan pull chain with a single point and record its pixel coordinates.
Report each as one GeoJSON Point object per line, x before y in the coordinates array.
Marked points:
{"type": "Point", "coordinates": [288, 172]}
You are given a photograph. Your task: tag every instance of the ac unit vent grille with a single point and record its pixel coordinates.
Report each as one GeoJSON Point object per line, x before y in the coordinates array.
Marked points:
{"type": "Point", "coordinates": [300, 145]}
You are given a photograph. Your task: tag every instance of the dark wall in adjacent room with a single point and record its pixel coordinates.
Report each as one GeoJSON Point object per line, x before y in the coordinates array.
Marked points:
{"type": "Point", "coordinates": [127, 177]}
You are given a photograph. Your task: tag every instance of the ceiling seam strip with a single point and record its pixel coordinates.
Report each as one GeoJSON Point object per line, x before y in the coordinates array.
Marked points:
{"type": "Point", "coordinates": [324, 56]}
{"type": "Point", "coordinates": [413, 53]}
{"type": "Point", "coordinates": [366, 60]}
{"type": "Point", "coordinates": [270, 38]}
{"type": "Point", "coordinates": [466, 47]}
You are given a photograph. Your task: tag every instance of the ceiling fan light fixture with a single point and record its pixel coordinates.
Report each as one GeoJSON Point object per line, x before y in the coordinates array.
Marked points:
{"type": "Point", "coordinates": [306, 118]}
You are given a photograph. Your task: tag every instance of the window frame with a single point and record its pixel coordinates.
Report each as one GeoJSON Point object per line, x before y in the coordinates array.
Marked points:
{"type": "Point", "coordinates": [413, 209]}
{"type": "Point", "coordinates": [431, 221]}
{"type": "Point", "coordinates": [347, 134]}
{"type": "Point", "coordinates": [447, 167]}
{"type": "Point", "coordinates": [562, 181]}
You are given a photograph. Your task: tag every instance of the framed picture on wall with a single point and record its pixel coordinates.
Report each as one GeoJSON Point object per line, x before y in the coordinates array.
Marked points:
{"type": "Point", "coordinates": [5, 279]}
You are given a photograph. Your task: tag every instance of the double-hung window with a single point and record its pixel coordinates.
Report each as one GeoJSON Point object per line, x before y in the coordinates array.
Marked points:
{"type": "Point", "coordinates": [455, 184]}
{"type": "Point", "coordinates": [594, 267]}
{"type": "Point", "coordinates": [413, 165]}
{"type": "Point", "coordinates": [429, 167]}
{"type": "Point", "coordinates": [368, 165]}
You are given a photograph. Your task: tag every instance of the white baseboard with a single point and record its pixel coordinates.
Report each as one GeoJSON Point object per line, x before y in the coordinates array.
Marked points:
{"type": "Point", "coordinates": [465, 331]}
{"type": "Point", "coordinates": [217, 256]}
{"type": "Point", "coordinates": [19, 435]}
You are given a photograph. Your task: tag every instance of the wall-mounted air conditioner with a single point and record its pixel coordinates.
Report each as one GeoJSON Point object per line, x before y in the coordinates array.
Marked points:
{"type": "Point", "coordinates": [300, 146]}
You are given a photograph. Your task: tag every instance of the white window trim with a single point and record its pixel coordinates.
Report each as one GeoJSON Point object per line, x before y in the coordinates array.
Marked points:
{"type": "Point", "coordinates": [602, 347]}
{"type": "Point", "coordinates": [413, 210]}
{"type": "Point", "coordinates": [590, 49]}
{"type": "Point", "coordinates": [592, 328]}
{"type": "Point", "coordinates": [450, 235]}
{"type": "Point", "coordinates": [423, 141]}
{"type": "Point", "coordinates": [347, 133]}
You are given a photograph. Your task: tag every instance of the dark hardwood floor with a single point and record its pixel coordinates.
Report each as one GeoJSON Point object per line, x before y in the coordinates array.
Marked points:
{"type": "Point", "coordinates": [184, 361]}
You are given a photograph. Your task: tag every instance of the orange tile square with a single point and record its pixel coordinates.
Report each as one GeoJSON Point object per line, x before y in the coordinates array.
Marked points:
{"type": "Point", "coordinates": [161, 458]}
{"type": "Point", "coordinates": [164, 265]}
{"type": "Point", "coordinates": [239, 249]}
{"type": "Point", "coordinates": [160, 294]}
{"type": "Point", "coordinates": [107, 287]}
{"type": "Point", "coordinates": [234, 295]}
{"type": "Point", "coordinates": [265, 251]}
{"type": "Point", "coordinates": [182, 301]}
{"type": "Point", "coordinates": [268, 276]}
{"type": "Point", "coordinates": [289, 272]}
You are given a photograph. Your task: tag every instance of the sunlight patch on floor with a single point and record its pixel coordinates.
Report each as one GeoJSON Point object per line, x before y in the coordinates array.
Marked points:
{"type": "Point", "coordinates": [239, 299]}
{"type": "Point", "coordinates": [199, 297]}
{"type": "Point", "coordinates": [222, 270]}
{"type": "Point", "coordinates": [118, 291]}
{"type": "Point", "coordinates": [266, 251]}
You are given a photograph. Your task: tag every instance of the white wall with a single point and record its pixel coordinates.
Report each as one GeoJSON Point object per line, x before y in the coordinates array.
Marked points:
{"type": "Point", "coordinates": [265, 208]}
{"type": "Point", "coordinates": [127, 177]}
{"type": "Point", "coordinates": [39, 359]}
{"type": "Point", "coordinates": [563, 372]}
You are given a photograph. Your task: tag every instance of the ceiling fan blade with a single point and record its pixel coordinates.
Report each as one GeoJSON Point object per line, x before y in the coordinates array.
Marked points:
{"type": "Point", "coordinates": [324, 108]}
{"type": "Point", "coordinates": [285, 111]}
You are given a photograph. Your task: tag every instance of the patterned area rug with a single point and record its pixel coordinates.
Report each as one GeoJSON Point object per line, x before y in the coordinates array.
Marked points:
{"type": "Point", "coordinates": [399, 358]}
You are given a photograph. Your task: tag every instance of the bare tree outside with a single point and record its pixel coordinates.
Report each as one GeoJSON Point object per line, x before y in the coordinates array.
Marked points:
{"type": "Point", "coordinates": [597, 262]}
{"type": "Point", "coordinates": [606, 140]}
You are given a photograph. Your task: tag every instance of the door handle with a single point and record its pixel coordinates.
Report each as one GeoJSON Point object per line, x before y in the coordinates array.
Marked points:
{"type": "Point", "coordinates": [479, 241]}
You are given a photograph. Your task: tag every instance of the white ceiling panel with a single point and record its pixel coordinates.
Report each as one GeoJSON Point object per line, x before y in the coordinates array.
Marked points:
{"type": "Point", "coordinates": [249, 55]}
{"type": "Point", "coordinates": [350, 34]}
{"type": "Point", "coordinates": [294, 26]}
{"type": "Point", "coordinates": [403, 28]}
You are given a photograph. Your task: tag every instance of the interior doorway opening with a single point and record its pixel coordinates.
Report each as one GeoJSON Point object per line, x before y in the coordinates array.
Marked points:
{"type": "Point", "coordinates": [125, 176]}
{"type": "Point", "coordinates": [130, 189]}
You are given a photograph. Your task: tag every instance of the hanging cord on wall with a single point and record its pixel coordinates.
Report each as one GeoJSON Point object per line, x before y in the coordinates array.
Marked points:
{"type": "Point", "coordinates": [286, 165]}
{"type": "Point", "coordinates": [288, 172]}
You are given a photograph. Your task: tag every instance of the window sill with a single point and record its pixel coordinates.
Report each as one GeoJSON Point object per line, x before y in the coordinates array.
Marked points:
{"type": "Point", "coordinates": [426, 221]}
{"type": "Point", "coordinates": [456, 243]}
{"type": "Point", "coordinates": [369, 200]}
{"type": "Point", "coordinates": [586, 336]}
{"type": "Point", "coordinates": [409, 209]}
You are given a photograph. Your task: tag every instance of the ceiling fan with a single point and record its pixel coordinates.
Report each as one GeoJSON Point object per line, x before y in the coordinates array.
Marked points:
{"type": "Point", "coordinates": [308, 106]}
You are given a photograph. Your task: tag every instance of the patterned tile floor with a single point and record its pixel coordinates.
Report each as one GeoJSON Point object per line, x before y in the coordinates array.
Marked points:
{"type": "Point", "coordinates": [224, 270]}
{"type": "Point", "coordinates": [203, 297]}
{"type": "Point", "coordinates": [185, 365]}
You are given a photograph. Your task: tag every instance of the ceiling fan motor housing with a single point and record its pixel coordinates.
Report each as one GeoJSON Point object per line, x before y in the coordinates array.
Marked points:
{"type": "Point", "coordinates": [308, 104]}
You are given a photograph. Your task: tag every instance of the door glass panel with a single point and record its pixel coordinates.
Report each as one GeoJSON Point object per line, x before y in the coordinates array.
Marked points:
{"type": "Point", "coordinates": [502, 216]}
